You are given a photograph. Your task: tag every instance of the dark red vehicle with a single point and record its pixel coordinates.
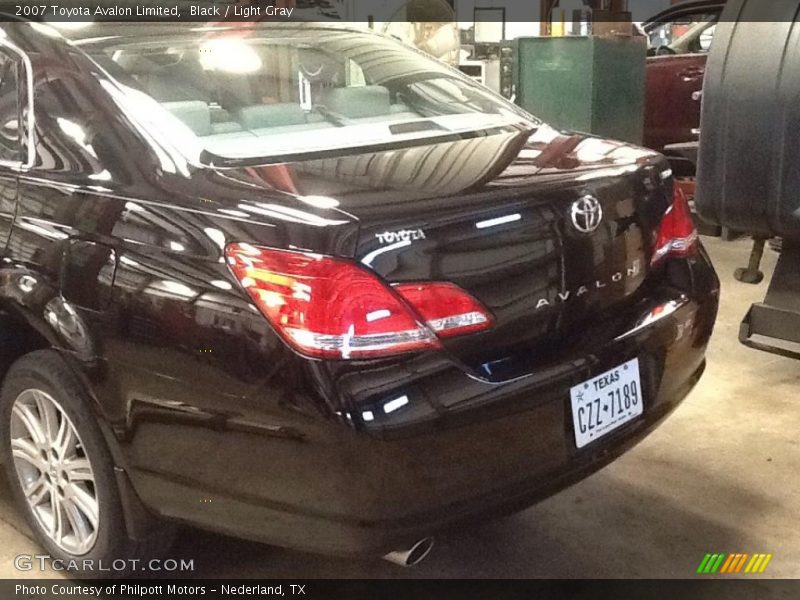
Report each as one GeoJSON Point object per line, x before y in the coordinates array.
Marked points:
{"type": "Point", "coordinates": [680, 39]}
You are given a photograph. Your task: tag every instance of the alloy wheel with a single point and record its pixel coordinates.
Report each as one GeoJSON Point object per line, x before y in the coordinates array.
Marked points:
{"type": "Point", "coordinates": [54, 471]}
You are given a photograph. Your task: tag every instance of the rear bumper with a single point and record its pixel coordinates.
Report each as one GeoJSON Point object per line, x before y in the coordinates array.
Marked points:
{"type": "Point", "coordinates": [361, 480]}
{"type": "Point", "coordinates": [350, 535]}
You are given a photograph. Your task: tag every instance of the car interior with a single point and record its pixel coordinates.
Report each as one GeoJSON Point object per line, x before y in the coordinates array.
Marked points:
{"type": "Point", "coordinates": [219, 105]}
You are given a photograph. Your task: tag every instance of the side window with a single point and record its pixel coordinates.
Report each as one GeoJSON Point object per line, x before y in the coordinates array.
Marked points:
{"type": "Point", "coordinates": [9, 108]}
{"type": "Point", "coordinates": [690, 34]}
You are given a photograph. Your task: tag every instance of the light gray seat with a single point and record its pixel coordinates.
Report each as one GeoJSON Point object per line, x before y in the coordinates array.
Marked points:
{"type": "Point", "coordinates": [270, 119]}
{"type": "Point", "coordinates": [196, 114]}
{"type": "Point", "coordinates": [225, 127]}
{"type": "Point", "coordinates": [293, 128]}
{"type": "Point", "coordinates": [262, 116]}
{"type": "Point", "coordinates": [366, 104]}
{"type": "Point", "coordinates": [358, 102]}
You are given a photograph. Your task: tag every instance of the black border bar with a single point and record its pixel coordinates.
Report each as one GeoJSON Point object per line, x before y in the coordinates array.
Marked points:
{"type": "Point", "coordinates": [581, 589]}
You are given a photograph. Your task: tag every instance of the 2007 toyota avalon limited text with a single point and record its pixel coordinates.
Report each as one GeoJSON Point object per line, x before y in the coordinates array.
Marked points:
{"type": "Point", "coordinates": [305, 285]}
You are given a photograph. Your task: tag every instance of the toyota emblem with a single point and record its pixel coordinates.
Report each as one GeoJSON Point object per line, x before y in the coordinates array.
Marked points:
{"type": "Point", "coordinates": [586, 214]}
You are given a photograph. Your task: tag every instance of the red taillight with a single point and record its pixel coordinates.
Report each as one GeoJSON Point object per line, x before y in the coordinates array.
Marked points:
{"type": "Point", "coordinates": [677, 235]}
{"type": "Point", "coordinates": [446, 308]}
{"type": "Point", "coordinates": [332, 308]}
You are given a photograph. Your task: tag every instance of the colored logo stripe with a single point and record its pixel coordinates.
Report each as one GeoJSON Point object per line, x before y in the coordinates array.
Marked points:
{"type": "Point", "coordinates": [728, 563]}
{"type": "Point", "coordinates": [703, 563]}
{"type": "Point", "coordinates": [733, 563]}
{"type": "Point", "coordinates": [738, 563]}
{"type": "Point", "coordinates": [710, 563]}
{"type": "Point", "coordinates": [758, 563]}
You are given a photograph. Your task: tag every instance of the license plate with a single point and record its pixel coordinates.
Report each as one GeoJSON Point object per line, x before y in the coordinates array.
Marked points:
{"type": "Point", "coordinates": [606, 402]}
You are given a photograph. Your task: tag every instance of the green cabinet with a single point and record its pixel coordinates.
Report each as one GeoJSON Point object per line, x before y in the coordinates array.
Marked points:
{"type": "Point", "coordinates": [587, 84]}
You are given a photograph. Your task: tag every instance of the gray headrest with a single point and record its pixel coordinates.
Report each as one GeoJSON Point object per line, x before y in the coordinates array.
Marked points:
{"type": "Point", "coordinates": [195, 113]}
{"type": "Point", "coordinates": [359, 102]}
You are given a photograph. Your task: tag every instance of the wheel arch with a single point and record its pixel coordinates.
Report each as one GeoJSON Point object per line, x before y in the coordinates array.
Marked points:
{"type": "Point", "coordinates": [18, 338]}
{"type": "Point", "coordinates": [22, 332]}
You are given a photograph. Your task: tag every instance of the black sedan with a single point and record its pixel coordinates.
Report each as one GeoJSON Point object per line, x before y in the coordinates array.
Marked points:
{"type": "Point", "coordinates": [305, 285]}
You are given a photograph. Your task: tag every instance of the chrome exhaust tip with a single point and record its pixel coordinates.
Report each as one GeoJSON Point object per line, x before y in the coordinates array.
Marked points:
{"type": "Point", "coordinates": [413, 555]}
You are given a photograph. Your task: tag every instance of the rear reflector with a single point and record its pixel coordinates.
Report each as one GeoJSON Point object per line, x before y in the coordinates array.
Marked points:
{"type": "Point", "coordinates": [331, 308]}
{"type": "Point", "coordinates": [677, 236]}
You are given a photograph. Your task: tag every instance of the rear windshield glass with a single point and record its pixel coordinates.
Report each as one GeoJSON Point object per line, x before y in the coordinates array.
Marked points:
{"type": "Point", "coordinates": [272, 91]}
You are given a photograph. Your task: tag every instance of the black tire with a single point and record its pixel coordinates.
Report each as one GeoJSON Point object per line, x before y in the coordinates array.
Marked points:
{"type": "Point", "coordinates": [46, 371]}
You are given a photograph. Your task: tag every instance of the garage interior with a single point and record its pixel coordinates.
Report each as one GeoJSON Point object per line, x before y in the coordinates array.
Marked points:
{"type": "Point", "coordinates": [720, 475]}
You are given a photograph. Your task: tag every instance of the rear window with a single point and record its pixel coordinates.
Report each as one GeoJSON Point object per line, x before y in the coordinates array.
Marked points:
{"type": "Point", "coordinates": [273, 91]}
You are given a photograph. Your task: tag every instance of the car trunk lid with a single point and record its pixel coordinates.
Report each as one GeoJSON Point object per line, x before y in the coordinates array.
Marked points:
{"type": "Point", "coordinates": [546, 254]}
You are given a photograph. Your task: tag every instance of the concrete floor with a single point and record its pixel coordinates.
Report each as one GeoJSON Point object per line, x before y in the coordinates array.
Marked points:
{"type": "Point", "coordinates": [721, 475]}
